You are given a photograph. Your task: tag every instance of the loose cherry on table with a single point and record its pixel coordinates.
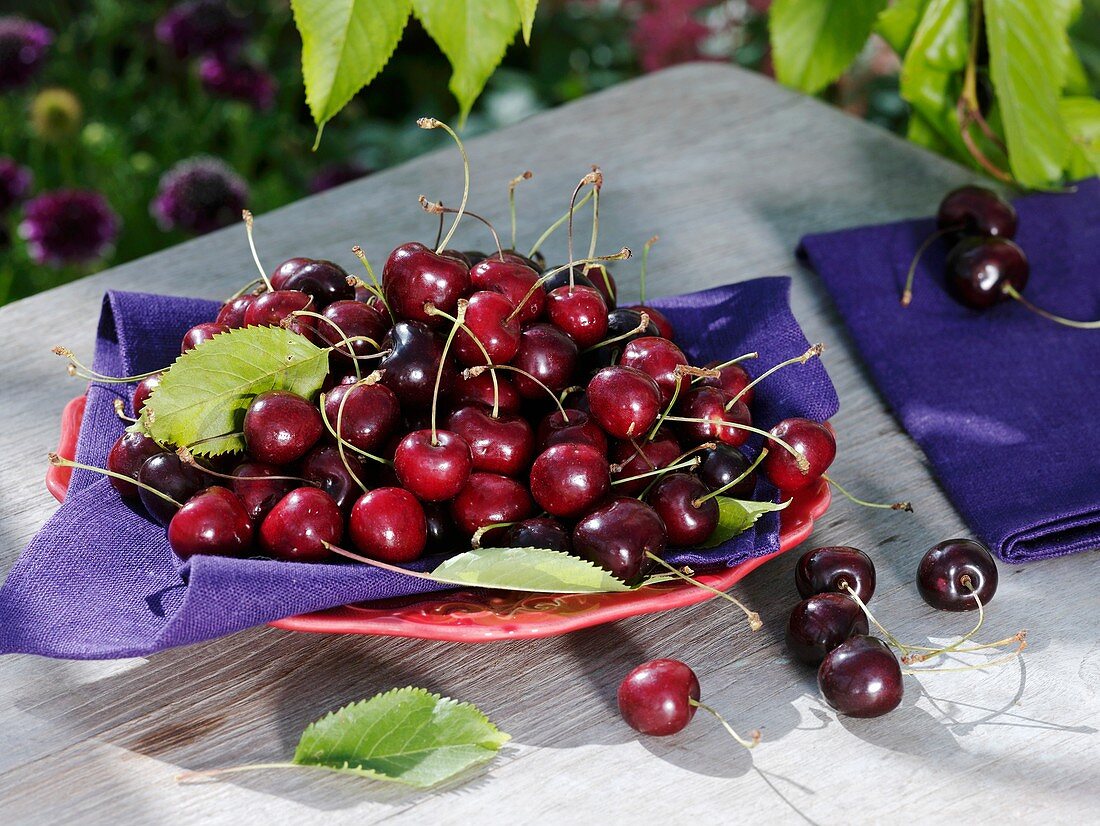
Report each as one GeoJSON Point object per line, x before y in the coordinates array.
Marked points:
{"type": "Point", "coordinates": [820, 623]}
{"type": "Point", "coordinates": [861, 677]}
{"type": "Point", "coordinates": [624, 401]}
{"type": "Point", "coordinates": [975, 210]}
{"type": "Point", "coordinates": [680, 500]}
{"type": "Point", "coordinates": [830, 569]}
{"type": "Point", "coordinates": [980, 269]}
{"type": "Point", "coordinates": [952, 573]}
{"type": "Point", "coordinates": [212, 522]}
{"type": "Point", "coordinates": [280, 427]}
{"type": "Point", "coordinates": [298, 526]}
{"type": "Point", "coordinates": [388, 524]}
{"type": "Point", "coordinates": [620, 536]}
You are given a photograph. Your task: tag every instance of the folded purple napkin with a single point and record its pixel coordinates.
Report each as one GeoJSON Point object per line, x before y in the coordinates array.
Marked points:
{"type": "Point", "coordinates": [1003, 402]}
{"type": "Point", "coordinates": [99, 580]}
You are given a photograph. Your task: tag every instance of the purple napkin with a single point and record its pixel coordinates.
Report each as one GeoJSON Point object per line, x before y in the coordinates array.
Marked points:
{"type": "Point", "coordinates": [1003, 402]}
{"type": "Point", "coordinates": [100, 581]}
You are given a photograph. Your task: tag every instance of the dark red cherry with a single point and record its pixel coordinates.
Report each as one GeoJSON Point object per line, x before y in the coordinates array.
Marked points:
{"type": "Point", "coordinates": [656, 697]}
{"type": "Point", "coordinates": [979, 270]}
{"type": "Point", "coordinates": [625, 402]}
{"type": "Point", "coordinates": [535, 262]}
{"type": "Point", "coordinates": [459, 255]}
{"type": "Point", "coordinates": [540, 532]}
{"type": "Point", "coordinates": [579, 428]}
{"type": "Point", "coordinates": [489, 498]}
{"type": "Point", "coordinates": [952, 572]}
{"type": "Point", "coordinates": [820, 623]}
{"type": "Point", "coordinates": [168, 474]}
{"type": "Point", "coordinates": [549, 355]}
{"type": "Point", "coordinates": [213, 522]}
{"type": "Point", "coordinates": [641, 456]}
{"type": "Point", "coordinates": [232, 312]}
{"type": "Point", "coordinates": [975, 210]}
{"type": "Point", "coordinates": [324, 467]}
{"type": "Point", "coordinates": [503, 445]}
{"type": "Point", "coordinates": [296, 529]}
{"type": "Point", "coordinates": [569, 479]}
{"type": "Point", "coordinates": [487, 317]}
{"type": "Point", "coordinates": [579, 312]}
{"type": "Point", "coordinates": [658, 319]}
{"type": "Point", "coordinates": [604, 281]}
{"type": "Point", "coordinates": [561, 279]}
{"type": "Point", "coordinates": [861, 677]}
{"type": "Point", "coordinates": [721, 465]}
{"type": "Point", "coordinates": [733, 379]}
{"type": "Point", "coordinates": [620, 322]}
{"type": "Point", "coordinates": [280, 427]}
{"type": "Point", "coordinates": [688, 521]}
{"type": "Point", "coordinates": [811, 439]}
{"type": "Point", "coordinates": [352, 318]}
{"type": "Point", "coordinates": [514, 280]}
{"type": "Point", "coordinates": [371, 413]}
{"type": "Point", "coordinates": [708, 406]}
{"type": "Point", "coordinates": [143, 390]}
{"type": "Point", "coordinates": [443, 534]}
{"type": "Point", "coordinates": [479, 389]}
{"type": "Point", "coordinates": [259, 493]}
{"type": "Point", "coordinates": [287, 269]}
{"type": "Point", "coordinates": [658, 358]}
{"type": "Point", "coordinates": [619, 535]}
{"type": "Point", "coordinates": [414, 276]}
{"type": "Point", "coordinates": [413, 361]}
{"type": "Point", "coordinates": [200, 334]}
{"type": "Point", "coordinates": [127, 455]}
{"type": "Point", "coordinates": [269, 309]}
{"type": "Point", "coordinates": [388, 524]}
{"type": "Point", "coordinates": [433, 469]}
{"type": "Point", "coordinates": [324, 281]}
{"type": "Point", "coordinates": [829, 569]}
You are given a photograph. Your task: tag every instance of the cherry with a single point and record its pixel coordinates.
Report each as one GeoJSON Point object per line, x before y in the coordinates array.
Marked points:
{"type": "Point", "coordinates": [619, 536]}
{"type": "Point", "coordinates": [324, 281]}
{"type": "Point", "coordinates": [143, 390]}
{"type": "Point", "coordinates": [658, 319]}
{"type": "Point", "coordinates": [213, 522]}
{"type": "Point", "coordinates": [464, 257]}
{"type": "Point", "coordinates": [414, 276]}
{"type": "Point", "coordinates": [388, 524]}
{"type": "Point", "coordinates": [656, 697]}
{"type": "Point", "coordinates": [620, 323]}
{"type": "Point", "coordinates": [488, 316]}
{"type": "Point", "coordinates": [604, 281]}
{"type": "Point", "coordinates": [658, 358]}
{"type": "Point", "coordinates": [353, 318]}
{"type": "Point", "coordinates": [200, 334]}
{"type": "Point", "coordinates": [569, 479]}
{"type": "Point", "coordinates": [706, 407]}
{"type": "Point", "coordinates": [952, 573]}
{"type": "Point", "coordinates": [258, 493]}
{"type": "Point", "coordinates": [280, 427]}
{"type": "Point", "coordinates": [324, 467]}
{"type": "Point", "coordinates": [233, 311]}
{"type": "Point", "coordinates": [678, 499]}
{"type": "Point", "coordinates": [829, 569]}
{"type": "Point", "coordinates": [433, 466]}
{"type": "Point", "coordinates": [287, 269]}
{"type": "Point", "coordinates": [502, 445]}
{"type": "Point", "coordinates": [443, 535]}
{"type": "Point", "coordinates": [535, 262]}
{"type": "Point", "coordinates": [296, 529]}
{"type": "Point", "coordinates": [549, 355]}
{"type": "Point", "coordinates": [410, 368]}
{"type": "Point", "coordinates": [625, 402]}
{"type": "Point", "coordinates": [487, 499]}
{"type": "Point", "coordinates": [127, 455]}
{"type": "Point", "coordinates": [975, 210]}
{"type": "Point", "coordinates": [166, 473]}
{"type": "Point", "coordinates": [861, 677]}
{"type": "Point", "coordinates": [558, 278]}
{"type": "Point", "coordinates": [733, 379]}
{"type": "Point", "coordinates": [514, 280]}
{"type": "Point", "coordinates": [722, 464]}
{"type": "Point", "coordinates": [981, 270]}
{"type": "Point", "coordinates": [578, 311]}
{"type": "Point", "coordinates": [813, 441]}
{"type": "Point", "coordinates": [269, 309]}
{"type": "Point", "coordinates": [580, 428]}
{"type": "Point", "coordinates": [371, 413]}
{"type": "Point", "coordinates": [479, 389]}
{"type": "Point", "coordinates": [540, 532]}
{"type": "Point", "coordinates": [820, 623]}
{"type": "Point", "coordinates": [641, 456]}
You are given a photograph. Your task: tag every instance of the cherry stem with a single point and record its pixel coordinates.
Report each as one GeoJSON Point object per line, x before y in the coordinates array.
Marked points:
{"type": "Point", "coordinates": [618, 256]}
{"type": "Point", "coordinates": [250, 285]}
{"type": "Point", "coordinates": [590, 178]}
{"type": "Point", "coordinates": [77, 369]}
{"type": "Point", "coordinates": [907, 293]}
{"type": "Point", "coordinates": [205, 440]}
{"type": "Point", "coordinates": [890, 638]}
{"type": "Point", "coordinates": [460, 317]}
{"type": "Point", "coordinates": [61, 461]}
{"type": "Point", "coordinates": [340, 440]}
{"type": "Point", "coordinates": [893, 506]}
{"type": "Point", "coordinates": [679, 372]}
{"type": "Point", "coordinates": [968, 109]}
{"type": "Point", "coordinates": [335, 326]}
{"type": "Point", "coordinates": [375, 286]}
{"type": "Point", "coordinates": [120, 411]}
{"type": "Point", "coordinates": [193, 776]}
{"type": "Point", "coordinates": [754, 734]}
{"type": "Point", "coordinates": [431, 309]}
{"type": "Point", "coordinates": [597, 185]}
{"type": "Point", "coordinates": [248, 221]}
{"type": "Point", "coordinates": [1012, 292]}
{"type": "Point", "coordinates": [607, 342]}
{"type": "Point", "coordinates": [718, 491]}
{"type": "Point", "coordinates": [737, 360]}
{"type": "Point", "coordinates": [639, 452]}
{"type": "Point", "coordinates": [755, 623]}
{"type": "Point", "coordinates": [813, 352]}
{"type": "Point", "coordinates": [351, 340]}
{"type": "Point", "coordinates": [439, 229]}
{"type": "Point", "coordinates": [803, 463]}
{"type": "Point", "coordinates": [512, 184]}
{"type": "Point", "coordinates": [432, 123]}
{"type": "Point", "coordinates": [189, 459]}
{"type": "Point", "coordinates": [474, 372]}
{"type": "Point", "coordinates": [475, 540]}
{"type": "Point", "coordinates": [557, 224]}
{"type": "Point", "coordinates": [657, 471]}
{"type": "Point", "coordinates": [431, 207]}
{"type": "Point", "coordinates": [645, 267]}
{"type": "Point", "coordinates": [366, 560]}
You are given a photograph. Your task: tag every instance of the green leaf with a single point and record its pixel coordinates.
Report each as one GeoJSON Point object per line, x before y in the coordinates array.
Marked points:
{"type": "Point", "coordinates": [206, 392]}
{"type": "Point", "coordinates": [407, 735]}
{"type": "Point", "coordinates": [473, 34]}
{"type": "Point", "coordinates": [736, 516]}
{"type": "Point", "coordinates": [345, 44]}
{"type": "Point", "coordinates": [898, 23]}
{"type": "Point", "coordinates": [1082, 118]}
{"type": "Point", "coordinates": [1027, 65]}
{"type": "Point", "coordinates": [527, 569]}
{"type": "Point", "coordinates": [814, 41]}
{"type": "Point", "coordinates": [527, 16]}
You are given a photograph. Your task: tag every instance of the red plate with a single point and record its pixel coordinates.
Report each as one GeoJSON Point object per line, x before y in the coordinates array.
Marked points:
{"type": "Point", "coordinates": [487, 616]}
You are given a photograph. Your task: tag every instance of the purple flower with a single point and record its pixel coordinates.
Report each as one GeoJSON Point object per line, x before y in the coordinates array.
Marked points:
{"type": "Point", "coordinates": [201, 27]}
{"type": "Point", "coordinates": [335, 174]}
{"type": "Point", "coordinates": [69, 226]}
{"type": "Point", "coordinates": [23, 46]}
{"type": "Point", "coordinates": [15, 183]}
{"type": "Point", "coordinates": [238, 80]}
{"type": "Point", "coordinates": [199, 195]}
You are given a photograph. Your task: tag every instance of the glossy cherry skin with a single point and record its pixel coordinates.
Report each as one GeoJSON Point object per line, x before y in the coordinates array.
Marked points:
{"type": "Point", "coordinates": [625, 402]}
{"type": "Point", "coordinates": [604, 281]}
{"type": "Point", "coordinates": [479, 389]}
{"type": "Point", "coordinates": [943, 569]}
{"type": "Point", "coordinates": [489, 498]}
{"type": "Point", "coordinates": [388, 524]}
{"type": "Point", "coordinates": [549, 355]}
{"type": "Point", "coordinates": [620, 322]}
{"type": "Point", "coordinates": [200, 334]}
{"type": "Point", "coordinates": [324, 281]}
{"type": "Point", "coordinates": [269, 309]}
{"type": "Point", "coordinates": [658, 319]}
{"type": "Point", "coordinates": [811, 439]}
{"type": "Point", "coordinates": [721, 465]}
{"type": "Point", "coordinates": [708, 405]}
{"type": "Point", "coordinates": [433, 469]}
{"type": "Point", "coordinates": [413, 361]}
{"type": "Point", "coordinates": [259, 493]}
{"type": "Point", "coordinates": [733, 379]}
{"type": "Point", "coordinates": [655, 698]}
{"type": "Point", "coordinates": [540, 532]}
{"type": "Point", "coordinates": [488, 316]}
{"type": "Point", "coordinates": [688, 521]}
{"type": "Point", "coordinates": [561, 279]}
{"type": "Point", "coordinates": [443, 534]}
{"type": "Point", "coordinates": [168, 474]}
{"type": "Point", "coordinates": [514, 280]}
{"type": "Point", "coordinates": [579, 428]}
{"type": "Point", "coordinates": [569, 479]}
{"type": "Point", "coordinates": [287, 269]}
{"type": "Point", "coordinates": [213, 522]}
{"type": "Point", "coordinates": [825, 570]}
{"type": "Point", "coordinates": [619, 535]}
{"type": "Point", "coordinates": [126, 457]}
{"type": "Point", "coordinates": [296, 529]}
{"type": "Point", "coordinates": [820, 623]}
{"type": "Point", "coordinates": [861, 677]}
{"type": "Point", "coordinates": [975, 210]}
{"type": "Point", "coordinates": [324, 467]}
{"type": "Point", "coordinates": [979, 269]}
{"type": "Point", "coordinates": [415, 276]}
{"type": "Point", "coordinates": [658, 358]}
{"type": "Point", "coordinates": [233, 311]}
{"type": "Point", "coordinates": [143, 390]}
{"type": "Point", "coordinates": [633, 460]}
{"type": "Point", "coordinates": [502, 445]}
{"type": "Point", "coordinates": [371, 413]}
{"type": "Point", "coordinates": [352, 318]}
{"type": "Point", "coordinates": [578, 311]}
{"type": "Point", "coordinates": [280, 427]}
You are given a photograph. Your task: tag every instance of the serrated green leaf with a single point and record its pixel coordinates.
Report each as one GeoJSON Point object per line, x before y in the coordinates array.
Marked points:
{"type": "Point", "coordinates": [407, 735]}
{"type": "Point", "coordinates": [898, 23]}
{"type": "Point", "coordinates": [1081, 116]}
{"type": "Point", "coordinates": [473, 34]}
{"type": "Point", "coordinates": [206, 391]}
{"type": "Point", "coordinates": [539, 570]}
{"type": "Point", "coordinates": [345, 44]}
{"type": "Point", "coordinates": [814, 41]}
{"type": "Point", "coordinates": [527, 16]}
{"type": "Point", "coordinates": [736, 516]}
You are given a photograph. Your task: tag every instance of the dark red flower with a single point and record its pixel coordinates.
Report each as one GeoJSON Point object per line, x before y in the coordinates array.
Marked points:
{"type": "Point", "coordinates": [199, 195]}
{"type": "Point", "coordinates": [201, 27]}
{"type": "Point", "coordinates": [69, 226]}
{"type": "Point", "coordinates": [238, 80]}
{"type": "Point", "coordinates": [15, 183]}
{"type": "Point", "coordinates": [23, 47]}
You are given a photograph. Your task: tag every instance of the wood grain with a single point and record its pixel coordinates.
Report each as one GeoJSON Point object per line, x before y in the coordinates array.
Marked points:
{"type": "Point", "coordinates": [730, 170]}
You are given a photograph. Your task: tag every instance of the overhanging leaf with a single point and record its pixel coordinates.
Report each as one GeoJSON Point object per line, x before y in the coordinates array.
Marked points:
{"type": "Point", "coordinates": [1082, 118]}
{"type": "Point", "coordinates": [206, 392]}
{"type": "Point", "coordinates": [527, 16]}
{"type": "Point", "coordinates": [898, 23]}
{"type": "Point", "coordinates": [736, 516]}
{"type": "Point", "coordinates": [814, 41]}
{"type": "Point", "coordinates": [407, 735]}
{"type": "Point", "coordinates": [539, 570]}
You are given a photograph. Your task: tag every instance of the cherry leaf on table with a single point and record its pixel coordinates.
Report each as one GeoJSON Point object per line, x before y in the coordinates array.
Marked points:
{"type": "Point", "coordinates": [539, 570]}
{"type": "Point", "coordinates": [736, 516]}
{"type": "Point", "coordinates": [407, 735]}
{"type": "Point", "coordinates": [206, 391]}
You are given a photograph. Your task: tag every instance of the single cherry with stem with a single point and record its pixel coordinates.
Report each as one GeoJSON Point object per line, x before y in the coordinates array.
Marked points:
{"type": "Point", "coordinates": [624, 401]}
{"type": "Point", "coordinates": [489, 499]}
{"type": "Point", "coordinates": [620, 536]}
{"type": "Point", "coordinates": [630, 458]}
{"type": "Point", "coordinates": [834, 569]}
{"type": "Point", "coordinates": [125, 459]}
{"type": "Point", "coordinates": [340, 476]}
{"type": "Point", "coordinates": [689, 517]}
{"type": "Point", "coordinates": [861, 677]}
{"type": "Point", "coordinates": [164, 473]}
{"type": "Point", "coordinates": [957, 575]}
{"type": "Point", "coordinates": [727, 468]}
{"type": "Point", "coordinates": [820, 623]}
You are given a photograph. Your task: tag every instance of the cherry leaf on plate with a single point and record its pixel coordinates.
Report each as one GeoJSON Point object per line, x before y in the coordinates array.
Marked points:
{"type": "Point", "coordinates": [203, 396]}
{"type": "Point", "coordinates": [527, 569]}
{"type": "Point", "coordinates": [737, 515]}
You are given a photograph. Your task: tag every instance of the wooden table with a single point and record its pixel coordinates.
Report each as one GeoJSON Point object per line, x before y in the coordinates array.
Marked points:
{"type": "Point", "coordinates": [730, 169]}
